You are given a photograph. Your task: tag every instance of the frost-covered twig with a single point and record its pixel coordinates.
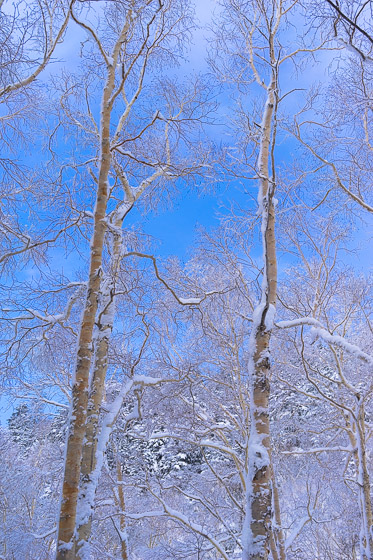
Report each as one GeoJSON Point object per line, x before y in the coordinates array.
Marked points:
{"type": "Point", "coordinates": [318, 450]}
{"type": "Point", "coordinates": [179, 516]}
{"type": "Point", "coordinates": [183, 301]}
{"type": "Point", "coordinates": [318, 330]}
{"type": "Point", "coordinates": [46, 534]}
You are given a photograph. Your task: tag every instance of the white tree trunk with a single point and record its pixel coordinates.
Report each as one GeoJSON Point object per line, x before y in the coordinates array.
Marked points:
{"type": "Point", "coordinates": [78, 416]}
{"type": "Point", "coordinates": [257, 524]}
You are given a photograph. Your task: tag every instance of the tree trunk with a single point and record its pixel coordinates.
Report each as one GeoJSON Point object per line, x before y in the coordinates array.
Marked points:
{"type": "Point", "coordinates": [89, 478]}
{"type": "Point", "coordinates": [122, 517]}
{"type": "Point", "coordinates": [257, 524]}
{"type": "Point", "coordinates": [366, 536]}
{"type": "Point", "coordinates": [77, 427]}
{"type": "Point", "coordinates": [277, 532]}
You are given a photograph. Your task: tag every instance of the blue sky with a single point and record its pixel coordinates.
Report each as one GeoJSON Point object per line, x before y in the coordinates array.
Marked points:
{"type": "Point", "coordinates": [175, 229]}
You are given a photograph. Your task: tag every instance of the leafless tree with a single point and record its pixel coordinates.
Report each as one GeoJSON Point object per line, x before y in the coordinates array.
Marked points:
{"type": "Point", "coordinates": [135, 155]}
{"type": "Point", "coordinates": [250, 49]}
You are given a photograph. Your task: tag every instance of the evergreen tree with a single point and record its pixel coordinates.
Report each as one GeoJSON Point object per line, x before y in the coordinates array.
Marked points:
{"type": "Point", "coordinates": [22, 424]}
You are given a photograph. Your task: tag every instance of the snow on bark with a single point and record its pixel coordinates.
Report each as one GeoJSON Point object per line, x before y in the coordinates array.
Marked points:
{"type": "Point", "coordinates": [101, 338]}
{"type": "Point", "coordinates": [337, 340]}
{"type": "Point", "coordinates": [363, 484]}
{"type": "Point", "coordinates": [258, 510]}
{"type": "Point", "coordinates": [77, 424]}
{"type": "Point", "coordinates": [88, 488]}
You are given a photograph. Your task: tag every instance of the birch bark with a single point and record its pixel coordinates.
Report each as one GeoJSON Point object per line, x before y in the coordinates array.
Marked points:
{"type": "Point", "coordinates": [84, 355]}
{"type": "Point", "coordinates": [363, 482]}
{"type": "Point", "coordinates": [145, 25]}
{"type": "Point", "coordinates": [77, 428]}
{"type": "Point", "coordinates": [257, 524]}
{"type": "Point", "coordinates": [250, 48]}
{"type": "Point", "coordinates": [88, 485]}
{"type": "Point", "coordinates": [278, 547]}
{"type": "Point", "coordinates": [122, 519]}
{"type": "Point", "coordinates": [257, 528]}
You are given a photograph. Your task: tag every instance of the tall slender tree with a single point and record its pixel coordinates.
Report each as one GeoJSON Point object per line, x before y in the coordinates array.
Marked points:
{"type": "Point", "coordinates": [129, 40]}
{"type": "Point", "coordinates": [250, 49]}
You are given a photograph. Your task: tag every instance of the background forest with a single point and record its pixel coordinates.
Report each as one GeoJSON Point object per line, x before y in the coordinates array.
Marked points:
{"type": "Point", "coordinates": [186, 300]}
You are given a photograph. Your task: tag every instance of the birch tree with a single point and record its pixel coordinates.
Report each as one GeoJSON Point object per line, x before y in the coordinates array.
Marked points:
{"type": "Point", "coordinates": [127, 39]}
{"type": "Point", "coordinates": [251, 39]}
{"type": "Point", "coordinates": [182, 430]}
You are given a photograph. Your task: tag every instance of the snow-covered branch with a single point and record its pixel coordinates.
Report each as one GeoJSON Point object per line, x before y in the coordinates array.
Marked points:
{"type": "Point", "coordinates": [318, 330]}
{"type": "Point", "coordinates": [199, 529]}
{"type": "Point", "coordinates": [191, 301]}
